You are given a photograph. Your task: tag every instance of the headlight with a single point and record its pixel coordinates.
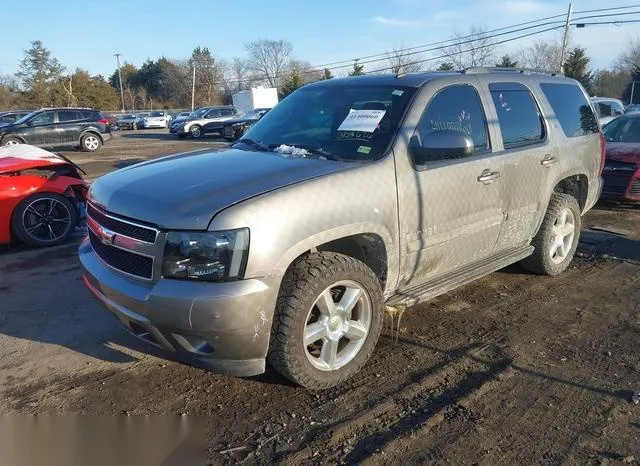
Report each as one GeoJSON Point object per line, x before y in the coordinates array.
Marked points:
{"type": "Point", "coordinates": [209, 256]}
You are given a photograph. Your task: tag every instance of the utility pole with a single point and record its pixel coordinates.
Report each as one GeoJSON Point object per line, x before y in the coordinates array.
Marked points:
{"type": "Point", "coordinates": [633, 89]}
{"type": "Point", "coordinates": [565, 39]}
{"type": "Point", "coordinates": [193, 88]}
{"type": "Point", "coordinates": [117, 55]}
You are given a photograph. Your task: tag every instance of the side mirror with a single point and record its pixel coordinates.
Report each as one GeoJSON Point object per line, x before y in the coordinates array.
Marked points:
{"type": "Point", "coordinates": [441, 145]}
{"type": "Point", "coordinates": [30, 123]}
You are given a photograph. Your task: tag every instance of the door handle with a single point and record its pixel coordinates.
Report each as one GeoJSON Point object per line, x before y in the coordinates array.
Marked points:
{"type": "Point", "coordinates": [488, 176]}
{"type": "Point", "coordinates": [548, 160]}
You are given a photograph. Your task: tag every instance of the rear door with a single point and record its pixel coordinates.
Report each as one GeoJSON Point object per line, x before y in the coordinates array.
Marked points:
{"type": "Point", "coordinates": [530, 159]}
{"type": "Point", "coordinates": [69, 126]}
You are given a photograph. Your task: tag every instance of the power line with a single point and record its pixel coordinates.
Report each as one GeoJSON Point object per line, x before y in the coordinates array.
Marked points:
{"type": "Point", "coordinates": [622, 21]}
{"type": "Point", "coordinates": [608, 15]}
{"type": "Point", "coordinates": [607, 9]}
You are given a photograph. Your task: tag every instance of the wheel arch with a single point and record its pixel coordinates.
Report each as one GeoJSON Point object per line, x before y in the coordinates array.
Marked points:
{"type": "Point", "coordinates": [91, 131]}
{"type": "Point", "coordinates": [573, 183]}
{"type": "Point", "coordinates": [13, 136]}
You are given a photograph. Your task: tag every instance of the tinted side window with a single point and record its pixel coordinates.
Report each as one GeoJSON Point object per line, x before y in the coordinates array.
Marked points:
{"type": "Point", "coordinates": [68, 115]}
{"type": "Point", "coordinates": [519, 118]}
{"type": "Point", "coordinates": [604, 109]}
{"type": "Point", "coordinates": [572, 109]}
{"type": "Point", "coordinates": [44, 118]}
{"type": "Point", "coordinates": [459, 109]}
{"type": "Point", "coordinates": [227, 112]}
{"type": "Point", "coordinates": [9, 118]}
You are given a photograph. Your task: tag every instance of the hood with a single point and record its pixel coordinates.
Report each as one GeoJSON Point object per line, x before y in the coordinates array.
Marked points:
{"type": "Point", "coordinates": [624, 152]}
{"type": "Point", "coordinates": [23, 157]}
{"type": "Point", "coordinates": [185, 191]}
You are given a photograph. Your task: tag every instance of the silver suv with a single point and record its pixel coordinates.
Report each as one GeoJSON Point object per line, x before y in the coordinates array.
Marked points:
{"type": "Point", "coordinates": [203, 121]}
{"type": "Point", "coordinates": [350, 197]}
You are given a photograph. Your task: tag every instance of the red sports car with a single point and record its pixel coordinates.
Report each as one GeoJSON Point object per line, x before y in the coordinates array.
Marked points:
{"type": "Point", "coordinates": [622, 166]}
{"type": "Point", "coordinates": [42, 195]}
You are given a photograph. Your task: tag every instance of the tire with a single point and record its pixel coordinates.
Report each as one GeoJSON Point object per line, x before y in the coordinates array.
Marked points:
{"type": "Point", "coordinates": [90, 142]}
{"type": "Point", "coordinates": [11, 141]}
{"type": "Point", "coordinates": [196, 132]}
{"type": "Point", "coordinates": [134, 126]}
{"type": "Point", "coordinates": [34, 209]}
{"type": "Point", "coordinates": [299, 310]}
{"type": "Point", "coordinates": [549, 257]}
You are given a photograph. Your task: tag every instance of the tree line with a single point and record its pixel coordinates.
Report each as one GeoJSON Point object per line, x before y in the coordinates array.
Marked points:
{"type": "Point", "coordinates": [167, 83]}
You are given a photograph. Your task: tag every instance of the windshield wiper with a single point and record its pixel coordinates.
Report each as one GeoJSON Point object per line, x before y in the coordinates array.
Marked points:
{"type": "Point", "coordinates": [311, 150]}
{"type": "Point", "coordinates": [250, 142]}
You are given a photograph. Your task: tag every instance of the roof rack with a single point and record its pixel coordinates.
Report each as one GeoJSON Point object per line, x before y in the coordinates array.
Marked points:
{"type": "Point", "coordinates": [483, 69]}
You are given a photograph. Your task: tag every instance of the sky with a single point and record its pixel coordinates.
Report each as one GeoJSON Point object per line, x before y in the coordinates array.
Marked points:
{"type": "Point", "coordinates": [87, 33]}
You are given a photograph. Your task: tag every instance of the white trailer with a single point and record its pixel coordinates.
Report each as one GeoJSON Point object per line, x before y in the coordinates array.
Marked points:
{"type": "Point", "coordinates": [258, 97]}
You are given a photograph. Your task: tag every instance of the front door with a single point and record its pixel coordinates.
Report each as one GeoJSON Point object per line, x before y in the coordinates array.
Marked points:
{"type": "Point", "coordinates": [40, 130]}
{"type": "Point", "coordinates": [450, 209]}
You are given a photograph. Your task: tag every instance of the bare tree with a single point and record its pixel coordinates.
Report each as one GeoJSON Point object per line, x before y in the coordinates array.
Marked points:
{"type": "Point", "coordinates": [472, 48]}
{"type": "Point", "coordinates": [629, 58]}
{"type": "Point", "coordinates": [543, 55]}
{"type": "Point", "coordinates": [269, 59]}
{"type": "Point", "coordinates": [398, 58]}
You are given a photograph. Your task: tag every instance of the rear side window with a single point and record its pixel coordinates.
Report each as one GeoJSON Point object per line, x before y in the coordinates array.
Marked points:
{"type": "Point", "coordinates": [227, 112]}
{"type": "Point", "coordinates": [604, 109]}
{"type": "Point", "coordinates": [572, 109]}
{"type": "Point", "coordinates": [69, 115]}
{"type": "Point", "coordinates": [456, 108]}
{"type": "Point", "coordinates": [519, 117]}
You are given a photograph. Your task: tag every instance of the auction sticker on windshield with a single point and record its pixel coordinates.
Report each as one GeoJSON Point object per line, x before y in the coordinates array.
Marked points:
{"type": "Point", "coordinates": [362, 120]}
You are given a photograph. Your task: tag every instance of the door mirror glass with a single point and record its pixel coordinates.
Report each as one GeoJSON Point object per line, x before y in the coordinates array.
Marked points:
{"type": "Point", "coordinates": [441, 145]}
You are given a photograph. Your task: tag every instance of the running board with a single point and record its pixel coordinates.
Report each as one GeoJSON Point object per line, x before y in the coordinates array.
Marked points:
{"type": "Point", "coordinates": [462, 276]}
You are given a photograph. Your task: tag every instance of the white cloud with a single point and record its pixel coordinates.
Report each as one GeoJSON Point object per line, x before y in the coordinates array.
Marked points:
{"type": "Point", "coordinates": [523, 7]}
{"type": "Point", "coordinates": [398, 22]}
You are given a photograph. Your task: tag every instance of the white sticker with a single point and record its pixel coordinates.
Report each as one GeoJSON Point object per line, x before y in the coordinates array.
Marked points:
{"type": "Point", "coordinates": [362, 120]}
{"type": "Point", "coordinates": [397, 92]}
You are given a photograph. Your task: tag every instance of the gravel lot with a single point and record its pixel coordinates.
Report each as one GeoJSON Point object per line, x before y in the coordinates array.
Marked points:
{"type": "Point", "coordinates": [511, 369]}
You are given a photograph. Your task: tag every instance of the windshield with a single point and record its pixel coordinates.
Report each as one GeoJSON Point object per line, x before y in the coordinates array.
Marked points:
{"type": "Point", "coordinates": [157, 114]}
{"type": "Point", "coordinates": [622, 130]}
{"type": "Point", "coordinates": [355, 122]}
{"type": "Point", "coordinates": [25, 118]}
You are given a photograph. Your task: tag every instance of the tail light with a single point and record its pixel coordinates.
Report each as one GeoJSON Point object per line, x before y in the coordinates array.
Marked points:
{"type": "Point", "coordinates": [104, 121]}
{"type": "Point", "coordinates": [603, 152]}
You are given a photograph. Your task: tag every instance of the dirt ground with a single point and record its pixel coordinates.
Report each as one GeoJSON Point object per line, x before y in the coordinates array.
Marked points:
{"type": "Point", "coordinates": [511, 369]}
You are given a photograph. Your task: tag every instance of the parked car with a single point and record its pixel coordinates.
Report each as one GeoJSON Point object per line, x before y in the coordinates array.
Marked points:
{"type": "Point", "coordinates": [236, 127]}
{"type": "Point", "coordinates": [112, 121]}
{"type": "Point", "coordinates": [155, 119]}
{"type": "Point", "coordinates": [131, 121]}
{"type": "Point", "coordinates": [42, 196]}
{"type": "Point", "coordinates": [607, 109]}
{"type": "Point", "coordinates": [622, 167]}
{"type": "Point", "coordinates": [175, 116]}
{"type": "Point", "coordinates": [351, 195]}
{"type": "Point", "coordinates": [59, 127]}
{"type": "Point", "coordinates": [198, 112]}
{"type": "Point", "coordinates": [8, 117]}
{"type": "Point", "coordinates": [207, 122]}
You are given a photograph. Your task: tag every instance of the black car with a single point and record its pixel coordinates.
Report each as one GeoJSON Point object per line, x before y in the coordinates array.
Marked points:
{"type": "Point", "coordinates": [11, 116]}
{"type": "Point", "coordinates": [235, 128]}
{"type": "Point", "coordinates": [59, 127]}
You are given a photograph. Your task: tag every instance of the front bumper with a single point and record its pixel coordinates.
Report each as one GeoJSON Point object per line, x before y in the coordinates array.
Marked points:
{"type": "Point", "coordinates": [223, 326]}
{"type": "Point", "coordinates": [622, 185]}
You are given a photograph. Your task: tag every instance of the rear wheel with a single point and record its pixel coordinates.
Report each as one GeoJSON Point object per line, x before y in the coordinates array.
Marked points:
{"type": "Point", "coordinates": [44, 219]}
{"type": "Point", "coordinates": [328, 320]}
{"type": "Point", "coordinates": [11, 141]}
{"type": "Point", "coordinates": [557, 240]}
{"type": "Point", "coordinates": [90, 142]}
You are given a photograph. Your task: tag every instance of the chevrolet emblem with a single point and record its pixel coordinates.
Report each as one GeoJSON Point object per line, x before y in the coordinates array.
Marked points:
{"type": "Point", "coordinates": [107, 236]}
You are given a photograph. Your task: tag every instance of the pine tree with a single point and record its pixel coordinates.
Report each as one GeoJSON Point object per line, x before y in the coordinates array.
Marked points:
{"type": "Point", "coordinates": [576, 67]}
{"type": "Point", "coordinates": [446, 66]}
{"type": "Point", "coordinates": [293, 83]}
{"type": "Point", "coordinates": [326, 74]}
{"type": "Point", "coordinates": [507, 62]}
{"type": "Point", "coordinates": [38, 70]}
{"type": "Point", "coordinates": [357, 69]}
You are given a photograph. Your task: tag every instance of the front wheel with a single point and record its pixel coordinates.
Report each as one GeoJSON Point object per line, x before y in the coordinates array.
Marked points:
{"type": "Point", "coordinates": [557, 240]}
{"type": "Point", "coordinates": [196, 132]}
{"type": "Point", "coordinates": [11, 142]}
{"type": "Point", "coordinates": [328, 320]}
{"type": "Point", "coordinates": [44, 219]}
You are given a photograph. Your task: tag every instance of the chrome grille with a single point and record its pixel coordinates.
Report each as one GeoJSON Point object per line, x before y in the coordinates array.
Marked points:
{"type": "Point", "coordinates": [123, 245]}
{"type": "Point", "coordinates": [128, 262]}
{"type": "Point", "coordinates": [635, 188]}
{"type": "Point", "coordinates": [124, 228]}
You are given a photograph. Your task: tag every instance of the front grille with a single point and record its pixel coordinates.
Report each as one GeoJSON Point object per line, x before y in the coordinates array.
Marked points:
{"type": "Point", "coordinates": [127, 229]}
{"type": "Point", "coordinates": [120, 259]}
{"type": "Point", "coordinates": [635, 188]}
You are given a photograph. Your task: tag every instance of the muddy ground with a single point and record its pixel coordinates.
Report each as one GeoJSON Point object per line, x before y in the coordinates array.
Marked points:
{"type": "Point", "coordinates": [511, 369]}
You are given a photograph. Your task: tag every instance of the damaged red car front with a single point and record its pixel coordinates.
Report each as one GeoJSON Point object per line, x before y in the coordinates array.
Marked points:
{"type": "Point", "coordinates": [42, 196]}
